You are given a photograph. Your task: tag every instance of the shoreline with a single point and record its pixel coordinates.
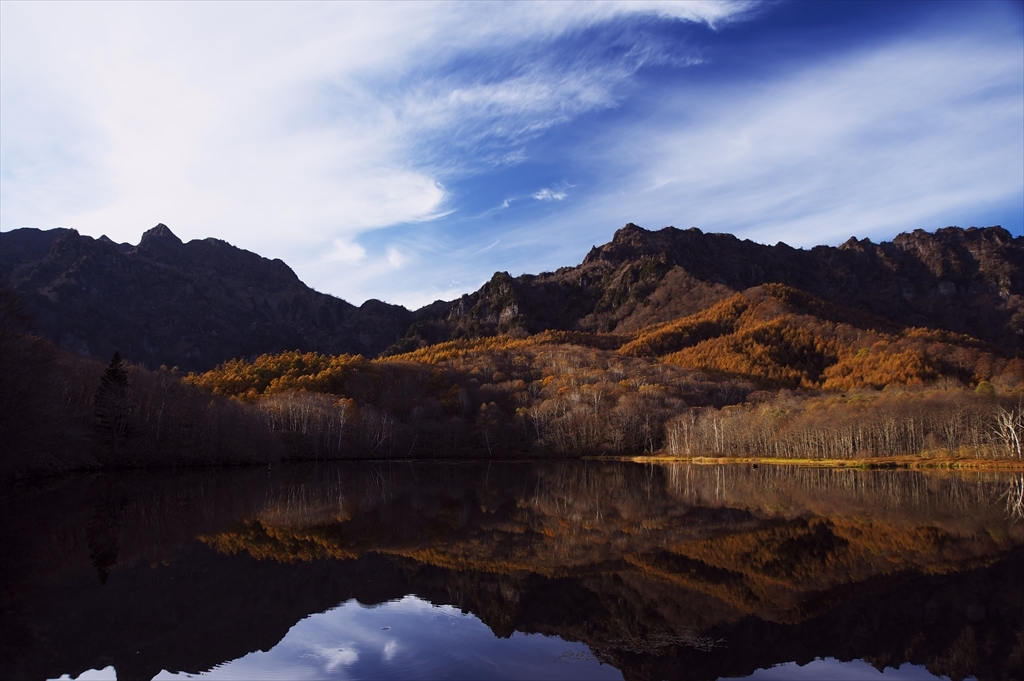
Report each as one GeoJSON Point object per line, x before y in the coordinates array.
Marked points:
{"type": "Point", "coordinates": [873, 463]}
{"type": "Point", "coordinates": [881, 462]}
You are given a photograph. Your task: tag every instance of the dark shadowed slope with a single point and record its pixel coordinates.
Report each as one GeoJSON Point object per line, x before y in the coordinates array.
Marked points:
{"type": "Point", "coordinates": [189, 304]}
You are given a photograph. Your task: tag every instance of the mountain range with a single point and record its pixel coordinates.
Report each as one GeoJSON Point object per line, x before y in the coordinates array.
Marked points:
{"type": "Point", "coordinates": [195, 305]}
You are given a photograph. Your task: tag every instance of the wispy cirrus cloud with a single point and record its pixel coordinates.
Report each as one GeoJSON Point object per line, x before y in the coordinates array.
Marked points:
{"type": "Point", "coordinates": [344, 251]}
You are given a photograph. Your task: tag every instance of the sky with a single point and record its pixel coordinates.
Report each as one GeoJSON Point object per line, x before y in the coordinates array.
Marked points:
{"type": "Point", "coordinates": [407, 151]}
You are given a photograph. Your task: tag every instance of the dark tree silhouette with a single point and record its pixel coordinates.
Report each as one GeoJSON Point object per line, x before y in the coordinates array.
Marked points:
{"type": "Point", "coordinates": [112, 398]}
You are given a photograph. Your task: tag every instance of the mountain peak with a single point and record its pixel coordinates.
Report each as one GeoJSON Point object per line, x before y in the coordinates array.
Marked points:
{"type": "Point", "coordinates": [629, 232]}
{"type": "Point", "coordinates": [159, 237]}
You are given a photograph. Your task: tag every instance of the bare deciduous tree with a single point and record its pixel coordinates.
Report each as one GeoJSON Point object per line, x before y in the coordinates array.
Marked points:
{"type": "Point", "coordinates": [1009, 429]}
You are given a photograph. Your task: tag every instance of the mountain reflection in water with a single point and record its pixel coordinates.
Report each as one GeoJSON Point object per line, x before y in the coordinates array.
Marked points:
{"type": "Point", "coordinates": [674, 571]}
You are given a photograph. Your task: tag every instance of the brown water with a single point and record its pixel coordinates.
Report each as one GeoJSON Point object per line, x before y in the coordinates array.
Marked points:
{"type": "Point", "coordinates": [513, 570]}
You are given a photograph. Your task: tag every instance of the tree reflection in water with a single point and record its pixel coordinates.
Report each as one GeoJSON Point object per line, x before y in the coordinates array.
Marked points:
{"type": "Point", "coordinates": [674, 571]}
{"type": "Point", "coordinates": [1015, 498]}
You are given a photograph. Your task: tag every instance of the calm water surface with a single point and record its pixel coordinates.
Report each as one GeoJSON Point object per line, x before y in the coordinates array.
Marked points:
{"type": "Point", "coordinates": [571, 570]}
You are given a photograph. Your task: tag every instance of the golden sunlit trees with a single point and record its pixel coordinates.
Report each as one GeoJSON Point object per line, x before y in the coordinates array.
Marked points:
{"type": "Point", "coordinates": [284, 372]}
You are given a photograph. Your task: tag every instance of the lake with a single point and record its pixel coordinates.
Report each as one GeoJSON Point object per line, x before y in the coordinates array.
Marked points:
{"type": "Point", "coordinates": [516, 570]}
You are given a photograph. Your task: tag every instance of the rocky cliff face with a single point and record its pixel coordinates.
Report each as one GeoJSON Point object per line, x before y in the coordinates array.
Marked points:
{"type": "Point", "coordinates": [964, 280]}
{"type": "Point", "coordinates": [189, 304]}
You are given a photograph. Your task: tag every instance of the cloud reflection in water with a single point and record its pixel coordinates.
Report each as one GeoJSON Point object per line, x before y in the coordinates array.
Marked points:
{"type": "Point", "coordinates": [408, 638]}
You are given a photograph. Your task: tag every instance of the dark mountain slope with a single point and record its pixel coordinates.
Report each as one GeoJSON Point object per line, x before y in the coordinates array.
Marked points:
{"type": "Point", "coordinates": [968, 281]}
{"type": "Point", "coordinates": [189, 304]}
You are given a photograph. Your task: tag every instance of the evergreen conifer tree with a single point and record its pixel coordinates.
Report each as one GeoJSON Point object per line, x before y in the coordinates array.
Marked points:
{"type": "Point", "coordinates": [111, 399]}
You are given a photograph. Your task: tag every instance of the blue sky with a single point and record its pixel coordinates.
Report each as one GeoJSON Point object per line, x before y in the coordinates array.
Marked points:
{"type": "Point", "coordinates": [407, 151]}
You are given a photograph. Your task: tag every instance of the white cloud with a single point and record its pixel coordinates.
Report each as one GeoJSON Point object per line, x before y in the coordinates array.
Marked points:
{"type": "Point", "coordinates": [396, 258]}
{"type": "Point", "coordinates": [345, 251]}
{"type": "Point", "coordinates": [337, 657]}
{"type": "Point", "coordinates": [549, 195]}
{"type": "Point", "coordinates": [712, 12]}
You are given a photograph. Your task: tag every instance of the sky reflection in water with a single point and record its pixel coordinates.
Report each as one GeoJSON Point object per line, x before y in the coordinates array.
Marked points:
{"type": "Point", "coordinates": [409, 639]}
